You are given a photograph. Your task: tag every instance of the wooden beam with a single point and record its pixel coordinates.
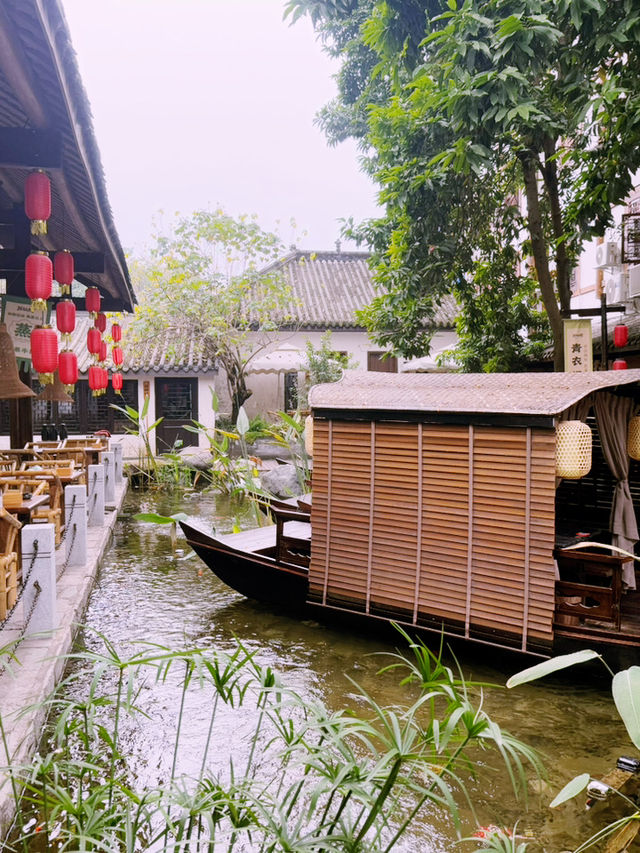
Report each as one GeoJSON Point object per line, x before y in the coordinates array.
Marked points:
{"type": "Point", "coordinates": [40, 149]}
{"type": "Point", "coordinates": [84, 262]}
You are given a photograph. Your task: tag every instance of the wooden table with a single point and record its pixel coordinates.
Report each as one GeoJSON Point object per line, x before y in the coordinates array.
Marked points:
{"type": "Point", "coordinates": [26, 508]}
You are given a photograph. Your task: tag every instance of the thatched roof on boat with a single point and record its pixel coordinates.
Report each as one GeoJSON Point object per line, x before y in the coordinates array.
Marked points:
{"type": "Point", "coordinates": [465, 393]}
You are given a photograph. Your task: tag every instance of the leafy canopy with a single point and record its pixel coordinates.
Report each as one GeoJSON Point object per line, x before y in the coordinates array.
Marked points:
{"type": "Point", "coordinates": [464, 108]}
{"type": "Point", "coordinates": [206, 283]}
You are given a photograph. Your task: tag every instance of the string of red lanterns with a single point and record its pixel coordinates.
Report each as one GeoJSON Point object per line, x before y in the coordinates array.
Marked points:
{"type": "Point", "coordinates": [39, 275]}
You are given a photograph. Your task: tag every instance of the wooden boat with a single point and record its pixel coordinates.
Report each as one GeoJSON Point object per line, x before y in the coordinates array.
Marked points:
{"type": "Point", "coordinates": [436, 505]}
{"type": "Point", "coordinates": [269, 564]}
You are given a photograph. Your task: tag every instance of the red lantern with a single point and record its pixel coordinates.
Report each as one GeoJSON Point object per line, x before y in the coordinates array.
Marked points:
{"type": "Point", "coordinates": [102, 355]}
{"type": "Point", "coordinates": [92, 300]}
{"type": "Point", "coordinates": [93, 341]}
{"type": "Point", "coordinates": [104, 380]}
{"type": "Point", "coordinates": [38, 280]}
{"type": "Point", "coordinates": [94, 380]}
{"type": "Point", "coordinates": [44, 353]}
{"type": "Point", "coordinates": [117, 356]}
{"type": "Point", "coordinates": [63, 270]}
{"type": "Point", "coordinates": [620, 364]}
{"type": "Point", "coordinates": [620, 336]}
{"type": "Point", "coordinates": [116, 382]}
{"type": "Point", "coordinates": [66, 318]}
{"type": "Point", "coordinates": [116, 333]}
{"type": "Point", "coordinates": [101, 322]}
{"type": "Point", "coordinates": [68, 370]}
{"type": "Point", "coordinates": [37, 201]}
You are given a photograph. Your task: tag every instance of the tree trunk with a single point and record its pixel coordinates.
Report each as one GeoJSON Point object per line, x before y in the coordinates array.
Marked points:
{"type": "Point", "coordinates": [529, 161]}
{"type": "Point", "coordinates": [563, 272]}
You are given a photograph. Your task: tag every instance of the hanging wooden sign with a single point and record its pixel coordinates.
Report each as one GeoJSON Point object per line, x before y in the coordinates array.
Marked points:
{"type": "Point", "coordinates": [21, 321]}
{"type": "Point", "coordinates": [578, 349]}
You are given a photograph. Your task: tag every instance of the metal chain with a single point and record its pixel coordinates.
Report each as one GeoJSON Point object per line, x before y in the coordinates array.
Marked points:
{"type": "Point", "coordinates": [70, 523]}
{"type": "Point", "coordinates": [23, 586]}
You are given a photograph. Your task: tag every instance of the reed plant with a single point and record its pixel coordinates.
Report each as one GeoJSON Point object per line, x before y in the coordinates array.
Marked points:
{"type": "Point", "coordinates": [309, 780]}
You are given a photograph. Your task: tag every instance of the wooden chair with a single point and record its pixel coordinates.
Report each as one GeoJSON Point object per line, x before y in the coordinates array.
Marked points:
{"type": "Point", "coordinates": [9, 566]}
{"type": "Point", "coordinates": [61, 467]}
{"type": "Point", "coordinates": [7, 466]}
{"type": "Point", "coordinates": [37, 483]}
{"type": "Point", "coordinates": [590, 587]}
{"type": "Point", "coordinates": [293, 540]}
{"type": "Point", "coordinates": [69, 457]}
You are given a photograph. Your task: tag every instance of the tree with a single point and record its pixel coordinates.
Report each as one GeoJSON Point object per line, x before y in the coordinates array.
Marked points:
{"type": "Point", "coordinates": [206, 282]}
{"type": "Point", "coordinates": [540, 92]}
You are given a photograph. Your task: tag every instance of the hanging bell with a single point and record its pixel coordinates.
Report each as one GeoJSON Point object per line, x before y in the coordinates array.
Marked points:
{"type": "Point", "coordinates": [11, 387]}
{"type": "Point", "coordinates": [55, 392]}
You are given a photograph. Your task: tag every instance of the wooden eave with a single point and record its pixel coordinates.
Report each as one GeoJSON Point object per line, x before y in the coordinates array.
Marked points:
{"type": "Point", "coordinates": [40, 89]}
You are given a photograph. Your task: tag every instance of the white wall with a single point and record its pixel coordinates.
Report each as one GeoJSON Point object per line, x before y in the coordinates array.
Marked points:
{"type": "Point", "coordinates": [268, 388]}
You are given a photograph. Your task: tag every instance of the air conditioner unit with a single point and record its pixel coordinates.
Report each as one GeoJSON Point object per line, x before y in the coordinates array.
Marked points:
{"type": "Point", "coordinates": [634, 282]}
{"type": "Point", "coordinates": [607, 255]}
{"type": "Point", "coordinates": [616, 287]}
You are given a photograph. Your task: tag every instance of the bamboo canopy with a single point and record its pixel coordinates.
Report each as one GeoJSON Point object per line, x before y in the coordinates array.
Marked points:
{"type": "Point", "coordinates": [11, 388]}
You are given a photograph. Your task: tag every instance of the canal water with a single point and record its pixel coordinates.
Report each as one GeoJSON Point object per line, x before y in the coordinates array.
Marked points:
{"type": "Point", "coordinates": [149, 591]}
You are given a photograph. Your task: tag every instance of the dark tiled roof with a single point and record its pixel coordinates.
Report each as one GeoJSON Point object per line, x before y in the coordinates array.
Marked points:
{"type": "Point", "coordinates": [41, 89]}
{"type": "Point", "coordinates": [166, 353]}
{"type": "Point", "coordinates": [329, 287]}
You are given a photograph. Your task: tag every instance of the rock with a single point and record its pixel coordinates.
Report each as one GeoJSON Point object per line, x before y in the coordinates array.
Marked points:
{"type": "Point", "coordinates": [264, 448]}
{"type": "Point", "coordinates": [282, 482]}
{"type": "Point", "coordinates": [197, 458]}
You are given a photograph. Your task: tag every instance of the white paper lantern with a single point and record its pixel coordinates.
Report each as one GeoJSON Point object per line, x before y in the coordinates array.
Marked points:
{"type": "Point", "coordinates": [573, 450]}
{"type": "Point", "coordinates": [633, 438]}
{"type": "Point", "coordinates": [308, 435]}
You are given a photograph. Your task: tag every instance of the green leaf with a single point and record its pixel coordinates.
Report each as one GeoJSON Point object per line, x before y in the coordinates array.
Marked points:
{"type": "Point", "coordinates": [571, 789]}
{"type": "Point", "coordinates": [154, 518]}
{"type": "Point", "coordinates": [552, 665]}
{"type": "Point", "coordinates": [626, 695]}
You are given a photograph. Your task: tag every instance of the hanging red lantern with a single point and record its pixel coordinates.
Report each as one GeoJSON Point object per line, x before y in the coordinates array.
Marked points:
{"type": "Point", "coordinates": [116, 332]}
{"type": "Point", "coordinates": [93, 341]}
{"type": "Point", "coordinates": [63, 270]}
{"type": "Point", "coordinates": [37, 201]}
{"type": "Point", "coordinates": [116, 382]}
{"type": "Point", "coordinates": [94, 380]}
{"type": "Point", "coordinates": [104, 384]}
{"type": "Point", "coordinates": [44, 353]}
{"type": "Point", "coordinates": [620, 364]}
{"type": "Point", "coordinates": [38, 273]}
{"type": "Point", "coordinates": [620, 336]}
{"type": "Point", "coordinates": [92, 300]}
{"type": "Point", "coordinates": [68, 370]}
{"type": "Point", "coordinates": [102, 355]}
{"type": "Point", "coordinates": [117, 356]}
{"type": "Point", "coordinates": [100, 322]}
{"type": "Point", "coordinates": [66, 319]}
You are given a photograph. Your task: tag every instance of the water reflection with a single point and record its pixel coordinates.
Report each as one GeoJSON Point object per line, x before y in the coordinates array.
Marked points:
{"type": "Point", "coordinates": [146, 590]}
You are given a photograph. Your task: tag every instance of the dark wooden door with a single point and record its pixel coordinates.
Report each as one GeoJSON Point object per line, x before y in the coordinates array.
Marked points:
{"type": "Point", "coordinates": [380, 362]}
{"type": "Point", "coordinates": [177, 404]}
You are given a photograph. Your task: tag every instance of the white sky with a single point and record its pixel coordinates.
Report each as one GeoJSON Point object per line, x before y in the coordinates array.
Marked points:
{"type": "Point", "coordinates": [199, 103]}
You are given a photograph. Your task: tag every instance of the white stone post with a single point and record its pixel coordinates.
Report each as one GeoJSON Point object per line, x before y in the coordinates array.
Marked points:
{"type": "Point", "coordinates": [108, 463]}
{"type": "Point", "coordinates": [95, 488]}
{"type": "Point", "coordinates": [39, 577]}
{"type": "Point", "coordinates": [118, 452]}
{"type": "Point", "coordinates": [75, 525]}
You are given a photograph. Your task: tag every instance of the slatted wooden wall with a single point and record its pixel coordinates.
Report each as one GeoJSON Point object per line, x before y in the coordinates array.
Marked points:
{"type": "Point", "coordinates": [437, 524]}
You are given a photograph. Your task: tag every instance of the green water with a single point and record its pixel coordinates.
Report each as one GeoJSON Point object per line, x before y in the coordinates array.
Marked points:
{"type": "Point", "coordinates": [148, 591]}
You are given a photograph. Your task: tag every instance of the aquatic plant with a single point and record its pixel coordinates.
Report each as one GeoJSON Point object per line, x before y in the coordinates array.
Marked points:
{"type": "Point", "coordinates": [313, 779]}
{"type": "Point", "coordinates": [625, 688]}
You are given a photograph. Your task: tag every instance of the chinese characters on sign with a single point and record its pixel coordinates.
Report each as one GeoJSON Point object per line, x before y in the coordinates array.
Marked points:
{"type": "Point", "coordinates": [20, 321]}
{"type": "Point", "coordinates": [578, 350]}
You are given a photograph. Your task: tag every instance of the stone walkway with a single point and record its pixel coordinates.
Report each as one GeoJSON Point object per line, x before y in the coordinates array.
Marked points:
{"type": "Point", "coordinates": [40, 659]}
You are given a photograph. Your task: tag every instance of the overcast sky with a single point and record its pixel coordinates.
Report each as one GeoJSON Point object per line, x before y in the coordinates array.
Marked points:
{"type": "Point", "coordinates": [199, 103]}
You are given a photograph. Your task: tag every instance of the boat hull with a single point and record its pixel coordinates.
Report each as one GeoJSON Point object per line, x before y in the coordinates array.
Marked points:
{"type": "Point", "coordinates": [253, 575]}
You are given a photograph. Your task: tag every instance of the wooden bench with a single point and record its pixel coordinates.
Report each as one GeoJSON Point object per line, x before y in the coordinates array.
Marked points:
{"type": "Point", "coordinates": [590, 586]}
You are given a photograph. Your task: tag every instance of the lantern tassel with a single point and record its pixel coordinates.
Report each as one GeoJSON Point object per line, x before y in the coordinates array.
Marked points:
{"type": "Point", "coordinates": [38, 226]}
